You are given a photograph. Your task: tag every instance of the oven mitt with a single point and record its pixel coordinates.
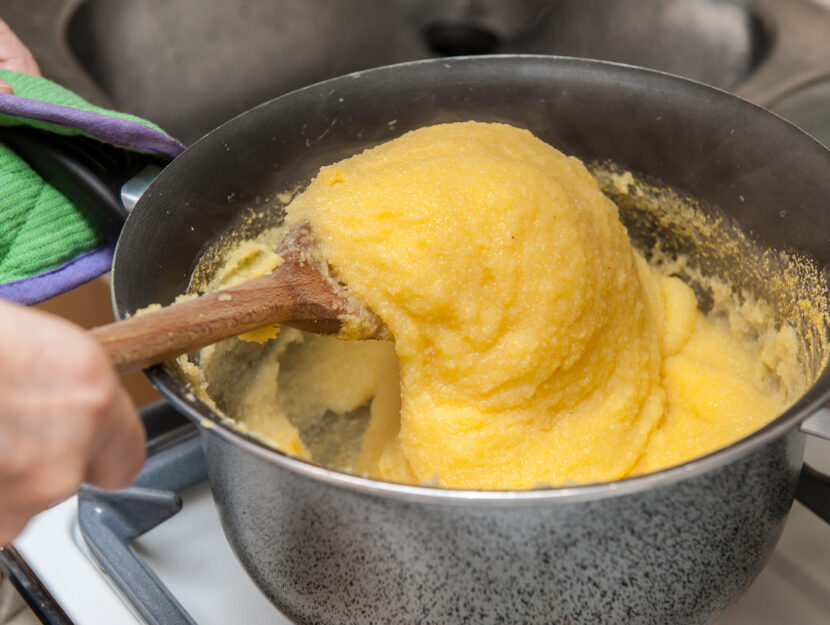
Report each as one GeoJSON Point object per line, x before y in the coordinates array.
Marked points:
{"type": "Point", "coordinates": [47, 246]}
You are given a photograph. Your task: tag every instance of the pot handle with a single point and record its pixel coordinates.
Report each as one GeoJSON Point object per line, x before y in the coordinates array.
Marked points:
{"type": "Point", "coordinates": [814, 486]}
{"type": "Point", "coordinates": [103, 181]}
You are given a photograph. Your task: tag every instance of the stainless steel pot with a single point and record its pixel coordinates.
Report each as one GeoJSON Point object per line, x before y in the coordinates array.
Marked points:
{"type": "Point", "coordinates": [677, 546]}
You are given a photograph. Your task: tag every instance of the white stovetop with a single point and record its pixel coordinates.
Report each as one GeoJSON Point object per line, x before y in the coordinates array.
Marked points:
{"type": "Point", "coordinates": [189, 553]}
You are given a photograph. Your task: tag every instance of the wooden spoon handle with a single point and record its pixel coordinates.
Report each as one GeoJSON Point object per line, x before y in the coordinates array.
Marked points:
{"type": "Point", "coordinates": [287, 295]}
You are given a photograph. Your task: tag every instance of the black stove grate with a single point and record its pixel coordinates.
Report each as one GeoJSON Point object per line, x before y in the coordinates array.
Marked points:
{"type": "Point", "coordinates": [109, 520]}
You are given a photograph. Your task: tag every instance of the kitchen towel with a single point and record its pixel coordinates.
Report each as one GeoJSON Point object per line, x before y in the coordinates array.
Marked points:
{"type": "Point", "coordinates": [47, 246]}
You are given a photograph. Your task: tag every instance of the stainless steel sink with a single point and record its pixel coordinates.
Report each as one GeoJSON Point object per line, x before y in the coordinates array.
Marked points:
{"type": "Point", "coordinates": [201, 62]}
{"type": "Point", "coordinates": [191, 64]}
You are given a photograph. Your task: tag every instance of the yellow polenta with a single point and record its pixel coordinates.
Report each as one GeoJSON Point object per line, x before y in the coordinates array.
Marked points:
{"type": "Point", "coordinates": [534, 345]}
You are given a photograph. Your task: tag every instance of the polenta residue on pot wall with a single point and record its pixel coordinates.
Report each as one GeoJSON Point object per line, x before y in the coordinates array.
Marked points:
{"type": "Point", "coordinates": [532, 346]}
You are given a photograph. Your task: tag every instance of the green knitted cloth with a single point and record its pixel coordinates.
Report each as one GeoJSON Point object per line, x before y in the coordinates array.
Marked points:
{"type": "Point", "coordinates": [40, 230]}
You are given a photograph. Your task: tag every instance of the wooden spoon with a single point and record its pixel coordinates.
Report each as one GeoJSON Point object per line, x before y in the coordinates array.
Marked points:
{"type": "Point", "coordinates": [298, 293]}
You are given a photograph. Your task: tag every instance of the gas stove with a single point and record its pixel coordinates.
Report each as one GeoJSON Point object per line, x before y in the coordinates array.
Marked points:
{"type": "Point", "coordinates": [155, 553]}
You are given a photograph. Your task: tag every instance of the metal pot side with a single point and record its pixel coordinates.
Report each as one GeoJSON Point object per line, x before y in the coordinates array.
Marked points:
{"type": "Point", "coordinates": [680, 553]}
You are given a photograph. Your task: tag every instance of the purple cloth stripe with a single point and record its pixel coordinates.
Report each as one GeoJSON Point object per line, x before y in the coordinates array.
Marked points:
{"type": "Point", "coordinates": [120, 132]}
{"type": "Point", "coordinates": [75, 272]}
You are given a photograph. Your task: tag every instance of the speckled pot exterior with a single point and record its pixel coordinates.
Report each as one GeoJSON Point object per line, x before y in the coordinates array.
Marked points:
{"type": "Point", "coordinates": [676, 554]}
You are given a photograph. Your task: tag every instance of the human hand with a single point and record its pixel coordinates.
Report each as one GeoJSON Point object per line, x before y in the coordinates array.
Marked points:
{"type": "Point", "coordinates": [14, 56]}
{"type": "Point", "coordinates": [64, 417]}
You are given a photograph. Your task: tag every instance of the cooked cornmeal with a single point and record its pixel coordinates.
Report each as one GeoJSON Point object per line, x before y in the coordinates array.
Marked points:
{"type": "Point", "coordinates": [532, 344]}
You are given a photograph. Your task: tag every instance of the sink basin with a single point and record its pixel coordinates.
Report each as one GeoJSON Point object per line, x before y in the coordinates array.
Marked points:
{"type": "Point", "coordinates": [192, 64]}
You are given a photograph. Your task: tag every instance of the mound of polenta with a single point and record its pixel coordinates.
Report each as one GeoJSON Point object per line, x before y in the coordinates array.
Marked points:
{"type": "Point", "coordinates": [534, 344]}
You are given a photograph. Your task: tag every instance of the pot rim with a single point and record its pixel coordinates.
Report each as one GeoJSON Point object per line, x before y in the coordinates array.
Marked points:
{"type": "Point", "coordinates": [175, 391]}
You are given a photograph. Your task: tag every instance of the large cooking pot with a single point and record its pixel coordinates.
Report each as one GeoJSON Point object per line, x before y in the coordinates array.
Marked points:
{"type": "Point", "coordinates": [674, 547]}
